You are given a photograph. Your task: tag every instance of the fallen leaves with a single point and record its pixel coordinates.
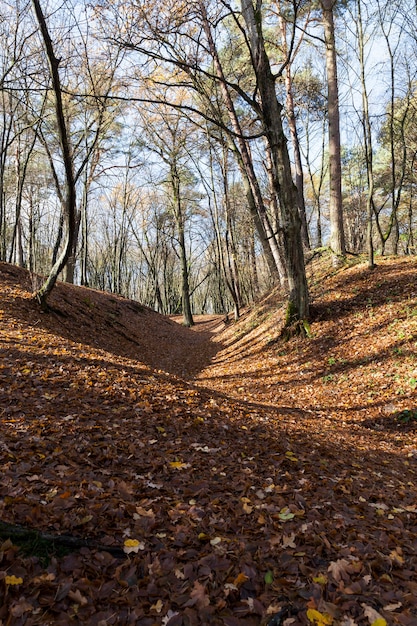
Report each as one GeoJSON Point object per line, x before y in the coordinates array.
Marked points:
{"type": "Point", "coordinates": [319, 619]}
{"type": "Point", "coordinates": [199, 596]}
{"type": "Point", "coordinates": [228, 510]}
{"type": "Point", "coordinates": [13, 580]}
{"type": "Point", "coordinates": [179, 465]}
{"type": "Point", "coordinates": [375, 619]}
{"type": "Point", "coordinates": [343, 568]}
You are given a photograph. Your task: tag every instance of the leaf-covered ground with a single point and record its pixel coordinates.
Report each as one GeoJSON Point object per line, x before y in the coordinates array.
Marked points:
{"type": "Point", "coordinates": [215, 475]}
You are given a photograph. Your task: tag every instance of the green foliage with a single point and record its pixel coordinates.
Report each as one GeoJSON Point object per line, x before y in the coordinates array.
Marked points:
{"type": "Point", "coordinates": [291, 314]}
{"type": "Point", "coordinates": [407, 415]}
{"type": "Point", "coordinates": [307, 329]}
{"type": "Point", "coordinates": [88, 302]}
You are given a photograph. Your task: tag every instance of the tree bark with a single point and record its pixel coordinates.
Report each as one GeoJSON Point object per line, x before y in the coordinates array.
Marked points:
{"type": "Point", "coordinates": [337, 237]}
{"type": "Point", "coordinates": [179, 219]}
{"type": "Point", "coordinates": [240, 149]}
{"type": "Point", "coordinates": [283, 184]}
{"type": "Point", "coordinates": [292, 125]}
{"type": "Point", "coordinates": [70, 196]}
{"type": "Point", "coordinates": [367, 132]}
{"type": "Point", "coordinates": [261, 221]}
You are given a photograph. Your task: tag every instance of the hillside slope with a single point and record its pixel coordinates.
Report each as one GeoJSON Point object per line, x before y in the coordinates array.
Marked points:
{"type": "Point", "coordinates": [214, 475]}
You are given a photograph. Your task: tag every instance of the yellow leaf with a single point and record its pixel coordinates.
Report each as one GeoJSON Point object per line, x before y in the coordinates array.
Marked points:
{"type": "Point", "coordinates": [319, 619]}
{"type": "Point", "coordinates": [158, 606]}
{"type": "Point", "coordinates": [179, 465]}
{"type": "Point", "coordinates": [321, 580]}
{"type": "Point", "coordinates": [291, 456]}
{"type": "Point", "coordinates": [13, 580]}
{"type": "Point", "coordinates": [131, 542]}
{"type": "Point", "coordinates": [133, 545]}
{"type": "Point", "coordinates": [396, 556]}
{"type": "Point", "coordinates": [285, 514]}
{"type": "Point", "coordinates": [246, 508]}
{"type": "Point", "coordinates": [379, 622]}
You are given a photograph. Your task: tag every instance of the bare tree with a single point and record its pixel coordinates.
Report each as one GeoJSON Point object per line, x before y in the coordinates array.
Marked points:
{"type": "Point", "coordinates": [66, 149]}
{"type": "Point", "coordinates": [185, 39]}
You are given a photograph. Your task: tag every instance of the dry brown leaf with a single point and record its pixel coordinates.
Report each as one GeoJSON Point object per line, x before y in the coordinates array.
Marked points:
{"type": "Point", "coordinates": [199, 597]}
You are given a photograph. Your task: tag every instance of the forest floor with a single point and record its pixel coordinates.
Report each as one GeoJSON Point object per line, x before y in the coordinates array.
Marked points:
{"type": "Point", "coordinates": [217, 475]}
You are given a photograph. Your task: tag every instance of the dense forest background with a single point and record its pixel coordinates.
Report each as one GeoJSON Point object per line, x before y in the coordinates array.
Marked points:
{"type": "Point", "coordinates": [205, 149]}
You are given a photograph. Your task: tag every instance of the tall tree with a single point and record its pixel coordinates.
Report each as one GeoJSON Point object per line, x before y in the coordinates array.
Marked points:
{"type": "Point", "coordinates": [167, 133]}
{"type": "Point", "coordinates": [185, 39]}
{"type": "Point", "coordinates": [367, 135]}
{"type": "Point", "coordinates": [238, 145]}
{"type": "Point", "coordinates": [66, 149]}
{"type": "Point", "coordinates": [337, 237]}
{"type": "Point", "coordinates": [270, 110]}
{"type": "Point", "coordinates": [291, 115]}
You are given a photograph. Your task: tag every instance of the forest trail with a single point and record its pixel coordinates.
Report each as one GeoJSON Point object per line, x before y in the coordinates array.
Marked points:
{"type": "Point", "coordinates": [354, 381]}
{"type": "Point", "coordinates": [247, 481]}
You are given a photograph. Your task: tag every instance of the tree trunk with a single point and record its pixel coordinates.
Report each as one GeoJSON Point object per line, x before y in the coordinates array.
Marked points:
{"type": "Point", "coordinates": [299, 175]}
{"type": "Point", "coordinates": [240, 149]}
{"type": "Point", "coordinates": [263, 227]}
{"type": "Point", "coordinates": [70, 266]}
{"type": "Point", "coordinates": [179, 219]}
{"type": "Point", "coordinates": [70, 196]}
{"type": "Point", "coordinates": [226, 245]}
{"type": "Point", "coordinates": [283, 185]}
{"type": "Point", "coordinates": [337, 237]}
{"type": "Point", "coordinates": [367, 132]}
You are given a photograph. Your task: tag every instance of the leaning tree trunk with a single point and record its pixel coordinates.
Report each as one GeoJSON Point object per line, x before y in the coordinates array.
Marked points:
{"type": "Point", "coordinates": [292, 125]}
{"type": "Point", "coordinates": [283, 184]}
{"type": "Point", "coordinates": [239, 147]}
{"type": "Point", "coordinates": [267, 237]}
{"type": "Point", "coordinates": [70, 197]}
